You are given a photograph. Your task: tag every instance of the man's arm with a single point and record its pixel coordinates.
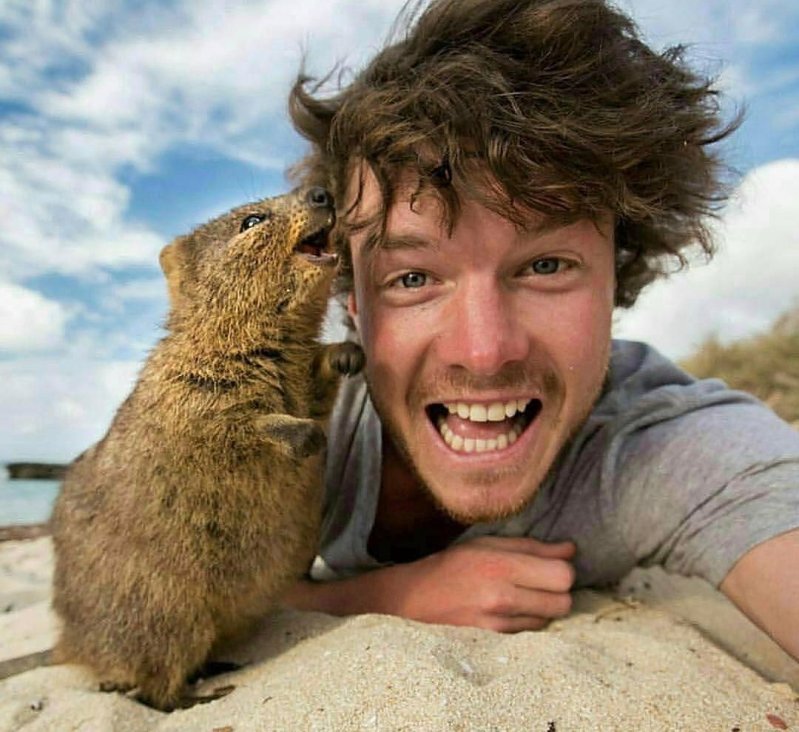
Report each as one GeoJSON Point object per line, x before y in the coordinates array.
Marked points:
{"type": "Point", "coordinates": [498, 583]}
{"type": "Point", "coordinates": [764, 584]}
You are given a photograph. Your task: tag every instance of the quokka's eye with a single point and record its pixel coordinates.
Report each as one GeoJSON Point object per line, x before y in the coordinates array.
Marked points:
{"type": "Point", "coordinates": [252, 220]}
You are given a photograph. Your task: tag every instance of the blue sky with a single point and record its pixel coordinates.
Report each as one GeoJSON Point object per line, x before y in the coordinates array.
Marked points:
{"type": "Point", "coordinates": [123, 124]}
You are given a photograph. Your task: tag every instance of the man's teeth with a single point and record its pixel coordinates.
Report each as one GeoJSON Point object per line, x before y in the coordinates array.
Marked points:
{"type": "Point", "coordinates": [496, 412]}
{"type": "Point", "coordinates": [461, 444]}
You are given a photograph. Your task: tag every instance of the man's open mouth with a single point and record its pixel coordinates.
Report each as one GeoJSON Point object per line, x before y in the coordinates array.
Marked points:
{"type": "Point", "coordinates": [483, 427]}
{"type": "Point", "coordinates": [314, 247]}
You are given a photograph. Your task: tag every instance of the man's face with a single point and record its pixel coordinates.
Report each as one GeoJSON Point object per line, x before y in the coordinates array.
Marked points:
{"type": "Point", "coordinates": [485, 349]}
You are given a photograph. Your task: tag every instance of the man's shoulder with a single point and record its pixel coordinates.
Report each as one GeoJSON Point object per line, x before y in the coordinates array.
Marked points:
{"type": "Point", "coordinates": [653, 411]}
{"type": "Point", "coordinates": [642, 383]}
{"type": "Point", "coordinates": [637, 369]}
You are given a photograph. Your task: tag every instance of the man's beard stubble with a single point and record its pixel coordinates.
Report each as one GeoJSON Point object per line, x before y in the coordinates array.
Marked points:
{"type": "Point", "coordinates": [516, 378]}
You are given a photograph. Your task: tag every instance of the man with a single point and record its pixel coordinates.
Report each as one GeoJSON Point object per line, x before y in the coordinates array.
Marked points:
{"type": "Point", "coordinates": [507, 174]}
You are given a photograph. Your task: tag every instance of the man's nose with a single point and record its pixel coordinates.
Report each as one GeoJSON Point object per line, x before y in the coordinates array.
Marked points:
{"type": "Point", "coordinates": [482, 330]}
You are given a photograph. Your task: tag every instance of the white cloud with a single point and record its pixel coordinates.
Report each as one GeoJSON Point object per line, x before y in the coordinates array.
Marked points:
{"type": "Point", "coordinates": [752, 280]}
{"type": "Point", "coordinates": [54, 409]}
{"type": "Point", "coordinates": [29, 321]}
{"type": "Point", "coordinates": [63, 209]}
{"type": "Point", "coordinates": [40, 36]}
{"type": "Point", "coordinates": [765, 23]}
{"type": "Point", "coordinates": [149, 289]}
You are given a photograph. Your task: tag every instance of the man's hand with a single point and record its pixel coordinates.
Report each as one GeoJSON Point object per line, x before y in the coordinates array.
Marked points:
{"type": "Point", "coordinates": [498, 583]}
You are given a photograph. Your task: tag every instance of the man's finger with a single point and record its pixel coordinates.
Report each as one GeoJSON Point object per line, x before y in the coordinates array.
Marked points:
{"type": "Point", "coordinates": [523, 601]}
{"type": "Point", "coordinates": [539, 573]}
{"type": "Point", "coordinates": [544, 604]}
{"type": "Point", "coordinates": [527, 545]}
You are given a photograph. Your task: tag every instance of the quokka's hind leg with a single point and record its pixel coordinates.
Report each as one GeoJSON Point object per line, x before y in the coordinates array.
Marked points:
{"type": "Point", "coordinates": [170, 658]}
{"type": "Point", "coordinates": [109, 686]}
{"type": "Point", "coordinates": [111, 676]}
{"type": "Point", "coordinates": [146, 652]}
{"type": "Point", "coordinates": [177, 695]}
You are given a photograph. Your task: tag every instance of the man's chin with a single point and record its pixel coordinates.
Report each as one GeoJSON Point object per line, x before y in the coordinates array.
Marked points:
{"type": "Point", "coordinates": [470, 493]}
{"type": "Point", "coordinates": [481, 497]}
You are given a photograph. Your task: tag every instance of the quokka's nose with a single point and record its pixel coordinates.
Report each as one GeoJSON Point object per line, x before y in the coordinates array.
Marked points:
{"type": "Point", "coordinates": [318, 197]}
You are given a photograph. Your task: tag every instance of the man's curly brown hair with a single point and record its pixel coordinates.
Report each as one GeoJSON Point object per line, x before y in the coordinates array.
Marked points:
{"type": "Point", "coordinates": [549, 106]}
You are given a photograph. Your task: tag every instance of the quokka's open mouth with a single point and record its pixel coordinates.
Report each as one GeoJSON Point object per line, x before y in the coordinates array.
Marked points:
{"type": "Point", "coordinates": [314, 247]}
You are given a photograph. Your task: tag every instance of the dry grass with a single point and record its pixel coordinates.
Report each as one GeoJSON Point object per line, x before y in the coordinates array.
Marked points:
{"type": "Point", "coordinates": [766, 365]}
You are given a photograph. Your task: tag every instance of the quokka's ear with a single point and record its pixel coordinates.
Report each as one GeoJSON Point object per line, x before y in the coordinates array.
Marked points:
{"type": "Point", "coordinates": [173, 263]}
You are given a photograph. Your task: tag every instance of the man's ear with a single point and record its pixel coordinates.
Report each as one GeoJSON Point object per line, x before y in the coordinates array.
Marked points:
{"type": "Point", "coordinates": [352, 310]}
{"type": "Point", "coordinates": [172, 259]}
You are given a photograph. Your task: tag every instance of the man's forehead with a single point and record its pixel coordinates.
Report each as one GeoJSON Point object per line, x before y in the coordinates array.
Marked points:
{"type": "Point", "coordinates": [412, 202]}
{"type": "Point", "coordinates": [409, 220]}
{"type": "Point", "coordinates": [416, 208]}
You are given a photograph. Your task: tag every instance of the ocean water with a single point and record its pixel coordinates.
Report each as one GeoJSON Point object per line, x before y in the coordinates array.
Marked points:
{"type": "Point", "coordinates": [26, 501]}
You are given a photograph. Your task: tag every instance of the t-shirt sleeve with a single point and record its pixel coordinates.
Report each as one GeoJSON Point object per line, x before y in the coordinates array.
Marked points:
{"type": "Point", "coordinates": [694, 493]}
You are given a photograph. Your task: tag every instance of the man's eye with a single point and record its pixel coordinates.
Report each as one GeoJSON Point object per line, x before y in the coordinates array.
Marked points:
{"type": "Point", "coordinates": [547, 265]}
{"type": "Point", "coordinates": [252, 220]}
{"type": "Point", "coordinates": [413, 280]}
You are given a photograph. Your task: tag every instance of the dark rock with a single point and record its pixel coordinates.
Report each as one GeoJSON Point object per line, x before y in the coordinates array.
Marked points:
{"type": "Point", "coordinates": [36, 471]}
{"type": "Point", "coordinates": [26, 531]}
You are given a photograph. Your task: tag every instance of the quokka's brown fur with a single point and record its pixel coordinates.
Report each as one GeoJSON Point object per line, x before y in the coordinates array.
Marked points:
{"type": "Point", "coordinates": [179, 529]}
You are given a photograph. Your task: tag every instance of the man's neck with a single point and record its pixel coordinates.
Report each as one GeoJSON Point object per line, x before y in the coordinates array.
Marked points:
{"type": "Point", "coordinates": [408, 524]}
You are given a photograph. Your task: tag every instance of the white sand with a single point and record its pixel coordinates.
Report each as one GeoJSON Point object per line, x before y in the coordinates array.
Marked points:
{"type": "Point", "coordinates": [609, 666]}
{"type": "Point", "coordinates": [26, 622]}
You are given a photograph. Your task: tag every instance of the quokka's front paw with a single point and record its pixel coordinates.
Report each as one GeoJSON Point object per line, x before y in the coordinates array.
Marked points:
{"type": "Point", "coordinates": [295, 437]}
{"type": "Point", "coordinates": [347, 358]}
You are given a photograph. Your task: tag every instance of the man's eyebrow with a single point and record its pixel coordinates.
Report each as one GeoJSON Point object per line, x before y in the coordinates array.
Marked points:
{"type": "Point", "coordinates": [391, 242]}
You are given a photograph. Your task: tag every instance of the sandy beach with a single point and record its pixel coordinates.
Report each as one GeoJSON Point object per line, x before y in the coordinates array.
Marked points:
{"type": "Point", "coordinates": [656, 656]}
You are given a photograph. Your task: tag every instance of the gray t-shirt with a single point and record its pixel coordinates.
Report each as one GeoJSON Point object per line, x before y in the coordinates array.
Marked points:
{"type": "Point", "coordinates": [667, 470]}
